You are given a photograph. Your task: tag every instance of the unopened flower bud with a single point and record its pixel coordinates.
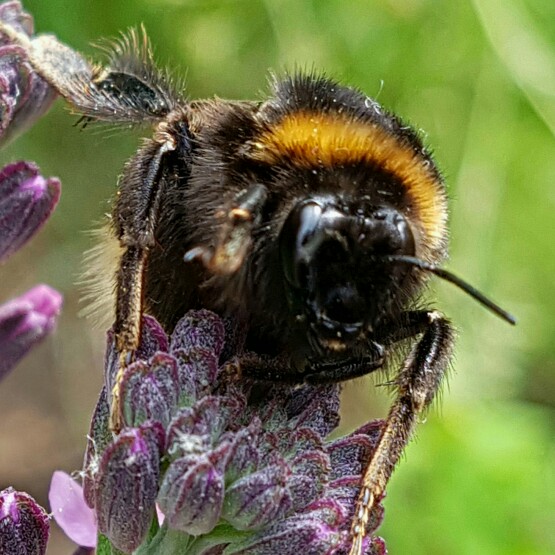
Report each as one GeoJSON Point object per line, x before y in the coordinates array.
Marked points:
{"type": "Point", "coordinates": [24, 321]}
{"type": "Point", "coordinates": [24, 96]}
{"type": "Point", "coordinates": [127, 485]}
{"type": "Point", "coordinates": [26, 201]}
{"type": "Point", "coordinates": [24, 526]}
{"type": "Point", "coordinates": [258, 499]}
{"type": "Point", "coordinates": [191, 495]}
{"type": "Point", "coordinates": [149, 391]}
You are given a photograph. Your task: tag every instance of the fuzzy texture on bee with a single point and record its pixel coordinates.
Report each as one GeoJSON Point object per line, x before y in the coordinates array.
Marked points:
{"type": "Point", "coordinates": [335, 183]}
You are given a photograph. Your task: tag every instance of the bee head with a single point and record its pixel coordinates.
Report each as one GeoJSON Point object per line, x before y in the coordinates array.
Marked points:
{"type": "Point", "coordinates": [337, 281]}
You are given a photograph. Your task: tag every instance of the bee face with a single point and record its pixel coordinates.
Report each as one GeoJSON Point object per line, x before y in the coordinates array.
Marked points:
{"type": "Point", "coordinates": [332, 253]}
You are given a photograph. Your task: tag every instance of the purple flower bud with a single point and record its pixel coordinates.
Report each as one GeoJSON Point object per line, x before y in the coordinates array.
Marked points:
{"type": "Point", "coordinates": [149, 391]}
{"type": "Point", "coordinates": [98, 439]}
{"type": "Point", "coordinates": [24, 321]}
{"type": "Point", "coordinates": [312, 533]}
{"type": "Point", "coordinates": [199, 329]}
{"type": "Point", "coordinates": [207, 419]}
{"type": "Point", "coordinates": [349, 454]}
{"type": "Point", "coordinates": [314, 407]}
{"type": "Point", "coordinates": [310, 475]}
{"type": "Point", "coordinates": [127, 485]}
{"type": "Point", "coordinates": [376, 546]}
{"type": "Point", "coordinates": [24, 96]}
{"type": "Point", "coordinates": [191, 495]}
{"type": "Point", "coordinates": [26, 201]}
{"type": "Point", "coordinates": [243, 454]}
{"type": "Point", "coordinates": [24, 526]}
{"type": "Point", "coordinates": [258, 499]}
{"type": "Point", "coordinates": [153, 340]}
{"type": "Point", "coordinates": [70, 511]}
{"type": "Point", "coordinates": [198, 370]}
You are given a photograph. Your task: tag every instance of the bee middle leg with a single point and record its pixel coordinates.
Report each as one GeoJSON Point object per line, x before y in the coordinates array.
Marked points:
{"type": "Point", "coordinates": [417, 383]}
{"type": "Point", "coordinates": [279, 369]}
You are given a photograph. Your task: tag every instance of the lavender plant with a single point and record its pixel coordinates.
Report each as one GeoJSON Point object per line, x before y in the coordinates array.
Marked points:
{"type": "Point", "coordinates": [207, 463]}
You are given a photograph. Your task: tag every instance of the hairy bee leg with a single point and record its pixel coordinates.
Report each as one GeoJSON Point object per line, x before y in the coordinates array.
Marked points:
{"type": "Point", "coordinates": [235, 237]}
{"type": "Point", "coordinates": [267, 369]}
{"type": "Point", "coordinates": [278, 369]}
{"type": "Point", "coordinates": [141, 189]}
{"type": "Point", "coordinates": [409, 324]}
{"type": "Point", "coordinates": [417, 384]}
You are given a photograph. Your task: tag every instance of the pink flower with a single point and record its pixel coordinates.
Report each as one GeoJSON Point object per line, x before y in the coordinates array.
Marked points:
{"type": "Point", "coordinates": [70, 511]}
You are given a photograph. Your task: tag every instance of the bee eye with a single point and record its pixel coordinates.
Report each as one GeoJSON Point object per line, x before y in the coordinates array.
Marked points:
{"type": "Point", "coordinates": [297, 240]}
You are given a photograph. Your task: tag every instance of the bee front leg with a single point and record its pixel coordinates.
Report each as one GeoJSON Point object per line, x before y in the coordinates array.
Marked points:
{"type": "Point", "coordinates": [134, 219]}
{"type": "Point", "coordinates": [417, 384]}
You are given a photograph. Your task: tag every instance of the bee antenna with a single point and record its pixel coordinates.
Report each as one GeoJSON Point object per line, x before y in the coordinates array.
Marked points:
{"type": "Point", "coordinates": [461, 284]}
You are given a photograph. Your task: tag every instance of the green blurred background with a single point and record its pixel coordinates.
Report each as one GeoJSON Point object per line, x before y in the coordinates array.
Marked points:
{"type": "Point", "coordinates": [479, 78]}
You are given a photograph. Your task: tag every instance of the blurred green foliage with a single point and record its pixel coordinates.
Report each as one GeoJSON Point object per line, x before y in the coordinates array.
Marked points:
{"type": "Point", "coordinates": [479, 77]}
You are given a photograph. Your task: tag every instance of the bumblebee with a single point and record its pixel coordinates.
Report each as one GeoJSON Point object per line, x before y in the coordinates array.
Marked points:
{"type": "Point", "coordinates": [313, 218]}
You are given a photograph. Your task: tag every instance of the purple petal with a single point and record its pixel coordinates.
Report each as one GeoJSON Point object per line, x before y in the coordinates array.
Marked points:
{"type": "Point", "coordinates": [26, 201]}
{"type": "Point", "coordinates": [70, 510]}
{"type": "Point", "coordinates": [25, 321]}
{"type": "Point", "coordinates": [24, 526]}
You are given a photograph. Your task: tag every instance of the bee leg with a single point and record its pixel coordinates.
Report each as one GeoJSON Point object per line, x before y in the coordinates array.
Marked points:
{"type": "Point", "coordinates": [134, 220]}
{"type": "Point", "coordinates": [267, 369]}
{"type": "Point", "coordinates": [333, 372]}
{"type": "Point", "coordinates": [416, 384]}
{"type": "Point", "coordinates": [235, 237]}
{"type": "Point", "coordinates": [410, 324]}
{"type": "Point", "coordinates": [278, 369]}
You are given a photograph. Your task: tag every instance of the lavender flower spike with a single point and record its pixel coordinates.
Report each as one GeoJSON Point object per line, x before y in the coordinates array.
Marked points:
{"type": "Point", "coordinates": [26, 201]}
{"type": "Point", "coordinates": [24, 96]}
{"type": "Point", "coordinates": [24, 321]}
{"type": "Point", "coordinates": [24, 527]}
{"type": "Point", "coordinates": [237, 468]}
